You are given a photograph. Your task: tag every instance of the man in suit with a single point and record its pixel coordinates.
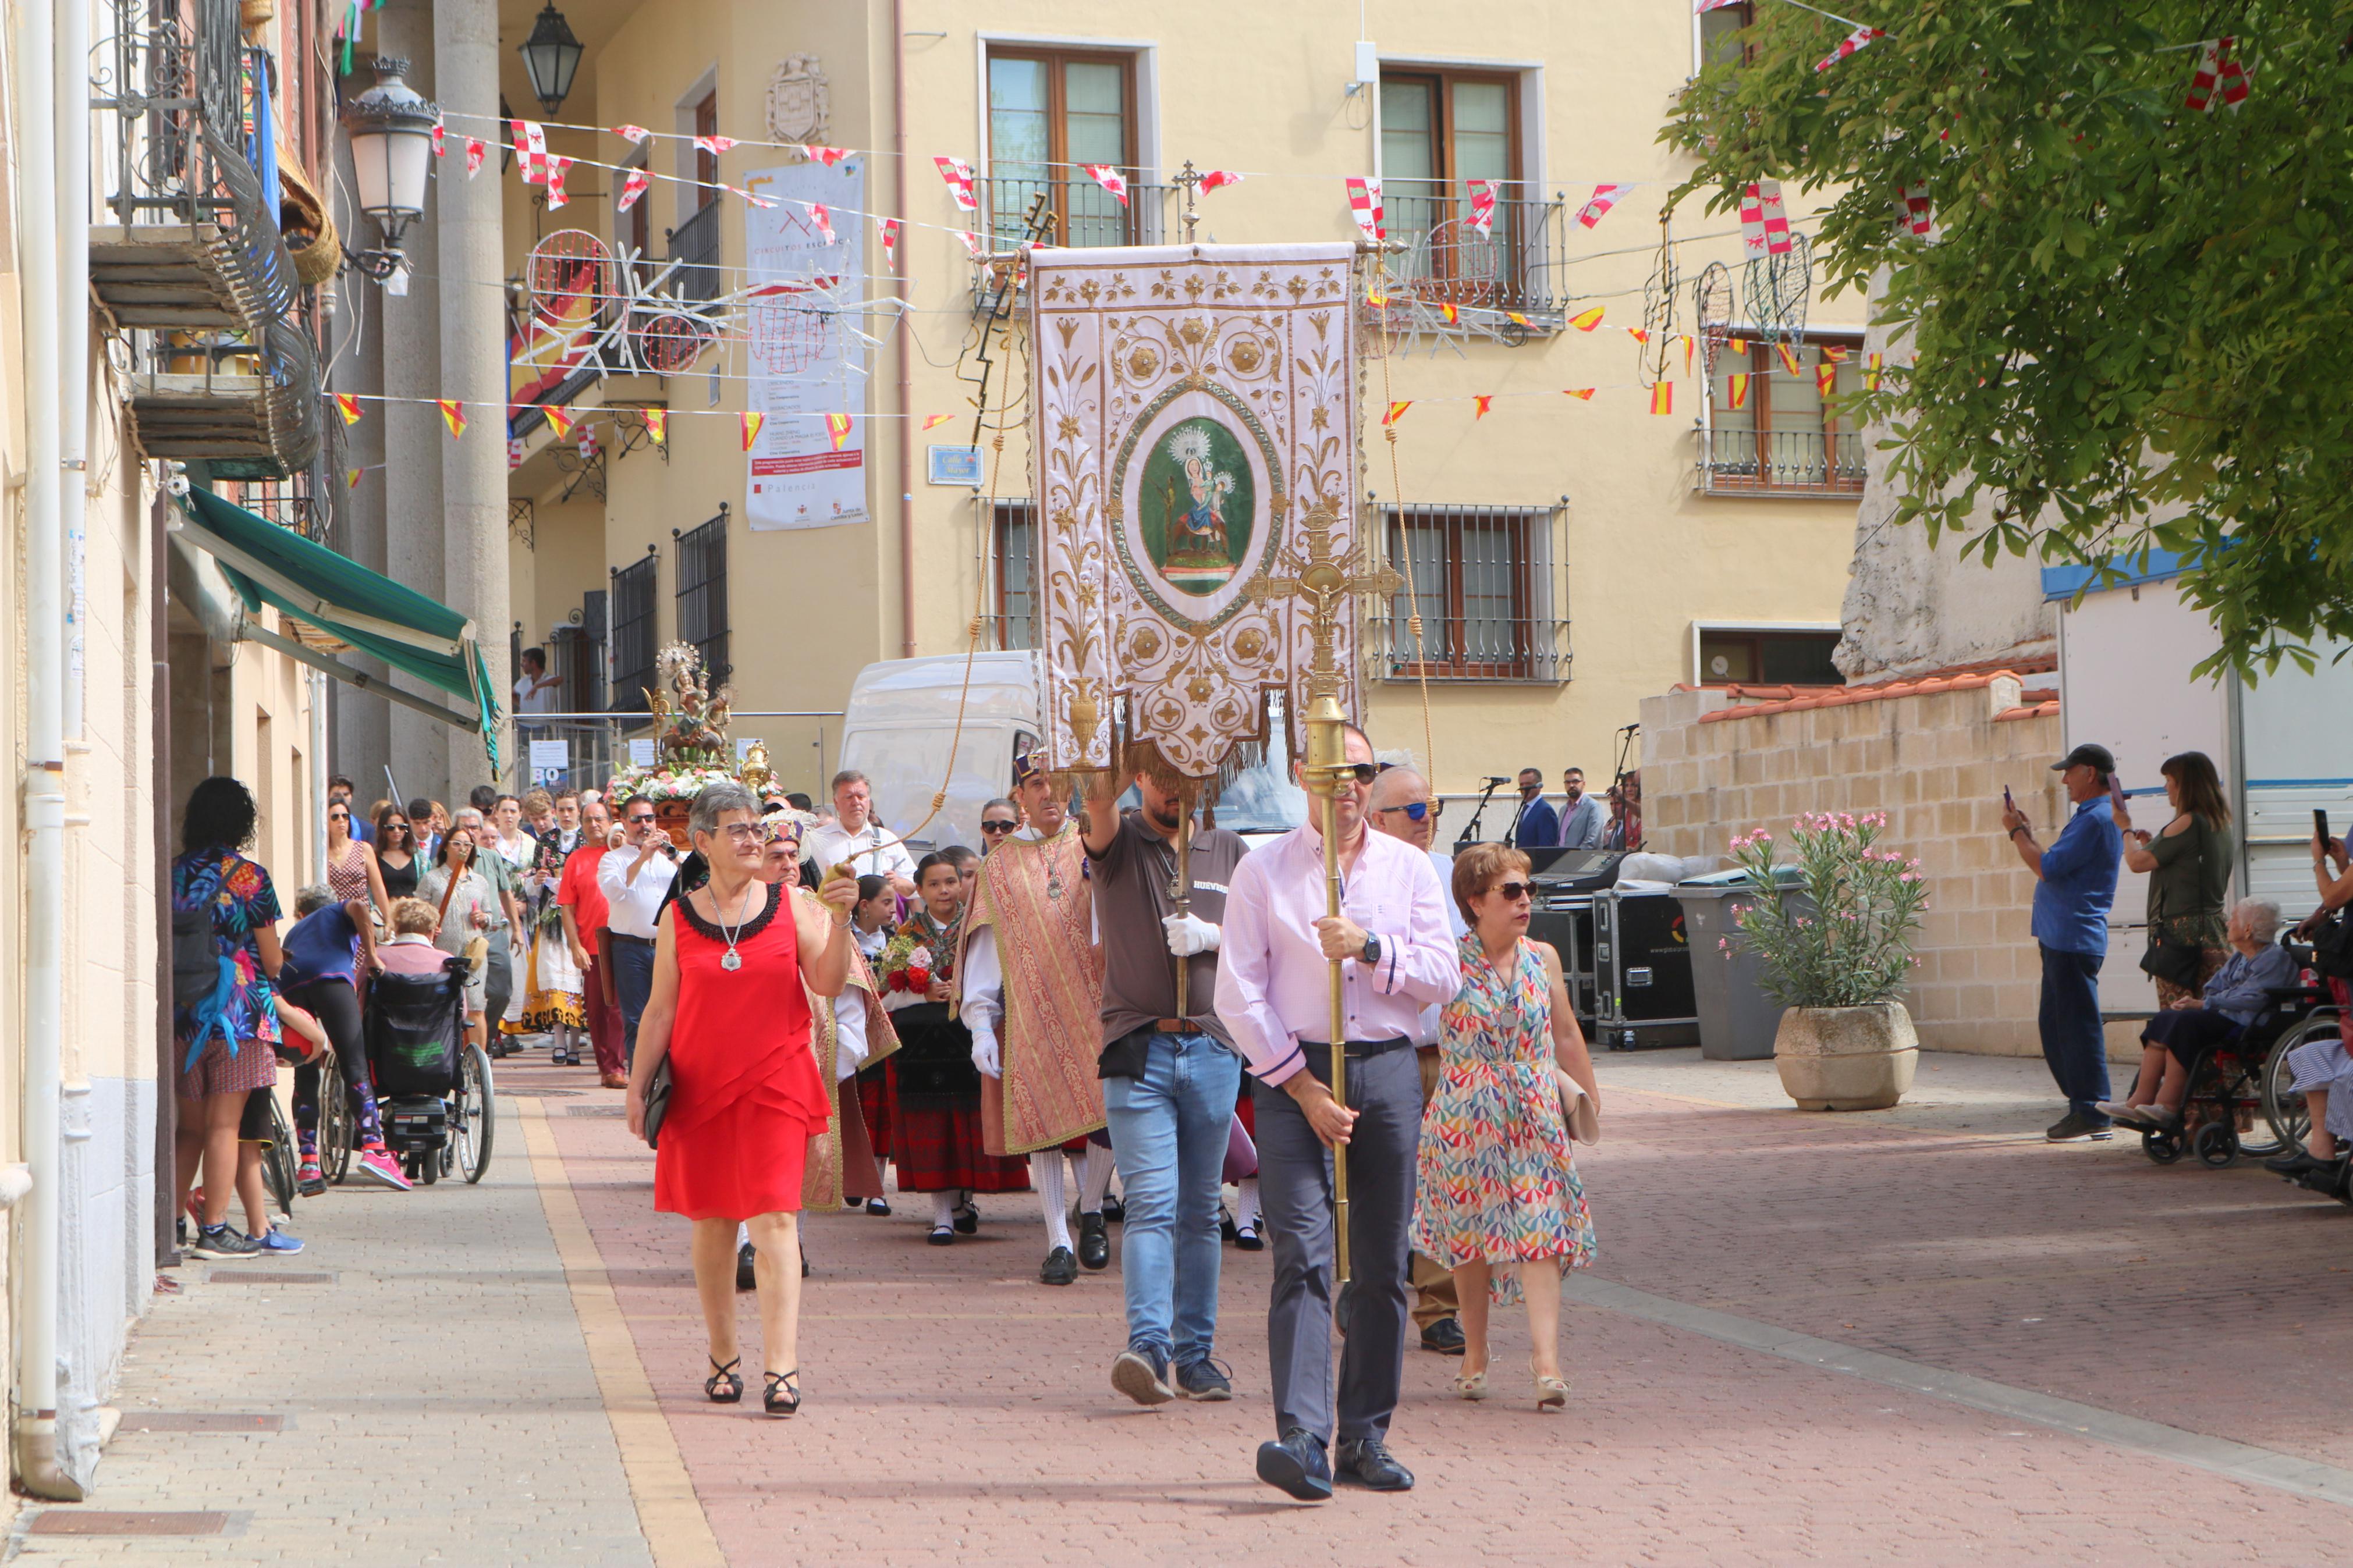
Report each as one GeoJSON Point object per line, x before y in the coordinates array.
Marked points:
{"type": "Point", "coordinates": [1580, 813]}
{"type": "Point", "coordinates": [1536, 826]}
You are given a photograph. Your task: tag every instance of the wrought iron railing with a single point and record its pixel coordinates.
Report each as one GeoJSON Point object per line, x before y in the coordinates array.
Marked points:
{"type": "Point", "coordinates": [633, 634]}
{"type": "Point", "coordinates": [1485, 583]}
{"type": "Point", "coordinates": [694, 246]}
{"type": "Point", "coordinates": [702, 591]}
{"type": "Point", "coordinates": [1085, 214]}
{"type": "Point", "coordinates": [1779, 462]}
{"type": "Point", "coordinates": [1515, 265]}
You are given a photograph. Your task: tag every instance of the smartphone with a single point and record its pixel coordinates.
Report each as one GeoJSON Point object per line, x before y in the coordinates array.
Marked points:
{"type": "Point", "coordinates": [2320, 827]}
{"type": "Point", "coordinates": [2007, 803]}
{"type": "Point", "coordinates": [2116, 794]}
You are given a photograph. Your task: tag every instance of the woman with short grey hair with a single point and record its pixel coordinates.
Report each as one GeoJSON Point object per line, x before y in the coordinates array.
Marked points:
{"type": "Point", "coordinates": [2235, 995]}
{"type": "Point", "coordinates": [735, 961]}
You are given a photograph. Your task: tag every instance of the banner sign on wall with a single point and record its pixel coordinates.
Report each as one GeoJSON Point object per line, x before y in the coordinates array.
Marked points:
{"type": "Point", "coordinates": [808, 283]}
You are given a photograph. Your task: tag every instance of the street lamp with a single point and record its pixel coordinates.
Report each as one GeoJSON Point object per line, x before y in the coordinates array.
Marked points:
{"type": "Point", "coordinates": [550, 56]}
{"type": "Point", "coordinates": [391, 130]}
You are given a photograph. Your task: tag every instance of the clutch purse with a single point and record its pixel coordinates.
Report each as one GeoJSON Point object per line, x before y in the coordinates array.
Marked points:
{"type": "Point", "coordinates": [1577, 1111]}
{"type": "Point", "coordinates": [656, 1102]}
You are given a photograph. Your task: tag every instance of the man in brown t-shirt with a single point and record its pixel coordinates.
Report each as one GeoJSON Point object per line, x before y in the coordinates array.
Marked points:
{"type": "Point", "coordinates": [1169, 1083]}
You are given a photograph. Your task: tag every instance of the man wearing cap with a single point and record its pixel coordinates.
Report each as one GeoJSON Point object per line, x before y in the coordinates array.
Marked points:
{"type": "Point", "coordinates": [2076, 882]}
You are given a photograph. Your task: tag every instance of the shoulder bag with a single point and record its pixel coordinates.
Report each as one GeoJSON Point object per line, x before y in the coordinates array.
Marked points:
{"type": "Point", "coordinates": [2175, 963]}
{"type": "Point", "coordinates": [656, 1101]}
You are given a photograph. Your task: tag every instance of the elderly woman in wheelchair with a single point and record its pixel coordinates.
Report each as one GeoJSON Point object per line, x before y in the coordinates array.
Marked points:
{"type": "Point", "coordinates": [2175, 1040]}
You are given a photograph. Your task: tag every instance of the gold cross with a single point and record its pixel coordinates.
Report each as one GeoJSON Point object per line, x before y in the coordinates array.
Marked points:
{"type": "Point", "coordinates": [1324, 582]}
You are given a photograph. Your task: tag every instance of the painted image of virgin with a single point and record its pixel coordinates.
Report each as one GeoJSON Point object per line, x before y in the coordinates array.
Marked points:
{"type": "Point", "coordinates": [1199, 526]}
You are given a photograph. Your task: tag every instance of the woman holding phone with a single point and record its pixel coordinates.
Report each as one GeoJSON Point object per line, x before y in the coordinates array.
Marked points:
{"type": "Point", "coordinates": [467, 905]}
{"type": "Point", "coordinates": [2187, 863]}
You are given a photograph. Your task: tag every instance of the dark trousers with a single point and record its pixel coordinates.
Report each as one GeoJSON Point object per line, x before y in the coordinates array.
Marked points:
{"type": "Point", "coordinates": [1294, 1173]}
{"type": "Point", "coordinates": [603, 1020]}
{"type": "Point", "coordinates": [337, 1007]}
{"type": "Point", "coordinates": [633, 985]}
{"type": "Point", "coordinates": [498, 979]}
{"type": "Point", "coordinates": [2072, 1042]}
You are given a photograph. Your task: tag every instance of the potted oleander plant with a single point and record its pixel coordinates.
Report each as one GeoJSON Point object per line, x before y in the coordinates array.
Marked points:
{"type": "Point", "coordinates": [1837, 960]}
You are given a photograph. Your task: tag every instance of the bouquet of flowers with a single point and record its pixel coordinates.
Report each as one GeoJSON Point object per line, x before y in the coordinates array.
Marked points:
{"type": "Point", "coordinates": [908, 963]}
{"type": "Point", "coordinates": [667, 783]}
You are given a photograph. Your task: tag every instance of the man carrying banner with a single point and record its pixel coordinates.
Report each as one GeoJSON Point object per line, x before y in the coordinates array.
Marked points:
{"type": "Point", "coordinates": [1032, 1000]}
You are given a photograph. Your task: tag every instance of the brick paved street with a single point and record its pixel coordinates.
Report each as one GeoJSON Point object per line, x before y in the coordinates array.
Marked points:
{"type": "Point", "coordinates": [451, 1405]}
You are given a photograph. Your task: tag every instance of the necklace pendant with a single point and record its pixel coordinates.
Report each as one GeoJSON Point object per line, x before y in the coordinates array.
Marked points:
{"type": "Point", "coordinates": [731, 960]}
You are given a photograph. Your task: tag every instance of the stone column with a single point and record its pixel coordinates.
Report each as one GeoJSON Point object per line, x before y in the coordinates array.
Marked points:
{"type": "Point", "coordinates": [473, 342]}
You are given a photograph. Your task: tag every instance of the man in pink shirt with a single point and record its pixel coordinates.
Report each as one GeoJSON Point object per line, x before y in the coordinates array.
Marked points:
{"type": "Point", "coordinates": [1274, 994]}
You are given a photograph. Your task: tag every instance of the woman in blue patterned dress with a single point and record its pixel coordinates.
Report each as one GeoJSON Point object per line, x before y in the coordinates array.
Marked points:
{"type": "Point", "coordinates": [1497, 1198]}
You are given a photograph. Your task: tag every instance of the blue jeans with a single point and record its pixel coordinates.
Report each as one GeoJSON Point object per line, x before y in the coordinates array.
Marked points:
{"type": "Point", "coordinates": [633, 987]}
{"type": "Point", "coordinates": [2073, 1041]}
{"type": "Point", "coordinates": [1168, 1132]}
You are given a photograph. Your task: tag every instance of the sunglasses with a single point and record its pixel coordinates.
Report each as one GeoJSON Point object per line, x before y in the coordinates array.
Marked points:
{"type": "Point", "coordinates": [1512, 892]}
{"type": "Point", "coordinates": [1363, 772]}
{"type": "Point", "coordinates": [989, 827]}
{"type": "Point", "coordinates": [639, 821]}
{"type": "Point", "coordinates": [1419, 809]}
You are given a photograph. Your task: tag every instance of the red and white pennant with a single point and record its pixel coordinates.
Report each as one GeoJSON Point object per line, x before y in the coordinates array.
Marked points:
{"type": "Point", "coordinates": [1763, 226]}
{"type": "Point", "coordinates": [1364, 207]}
{"type": "Point", "coordinates": [887, 228]}
{"type": "Point", "coordinates": [1847, 45]}
{"type": "Point", "coordinates": [1110, 179]}
{"type": "Point", "coordinates": [958, 174]}
{"type": "Point", "coordinates": [2217, 61]}
{"type": "Point", "coordinates": [1597, 205]}
{"type": "Point", "coordinates": [633, 185]}
{"type": "Point", "coordinates": [530, 151]}
{"type": "Point", "coordinates": [1482, 220]}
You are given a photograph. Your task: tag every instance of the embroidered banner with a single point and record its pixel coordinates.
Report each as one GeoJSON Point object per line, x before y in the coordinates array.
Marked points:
{"type": "Point", "coordinates": [1197, 412]}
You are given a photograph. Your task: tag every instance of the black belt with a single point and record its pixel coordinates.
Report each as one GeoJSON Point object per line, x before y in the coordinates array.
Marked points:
{"type": "Point", "coordinates": [634, 940]}
{"type": "Point", "coordinates": [1361, 1047]}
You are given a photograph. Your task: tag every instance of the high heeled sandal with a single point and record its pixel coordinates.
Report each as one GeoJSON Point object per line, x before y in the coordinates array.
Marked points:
{"type": "Point", "coordinates": [781, 1383]}
{"type": "Point", "coordinates": [1552, 1393]}
{"type": "Point", "coordinates": [724, 1386]}
{"type": "Point", "coordinates": [1474, 1386]}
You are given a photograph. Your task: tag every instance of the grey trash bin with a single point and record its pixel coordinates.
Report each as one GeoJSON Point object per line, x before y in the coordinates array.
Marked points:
{"type": "Point", "coordinates": [1738, 1020]}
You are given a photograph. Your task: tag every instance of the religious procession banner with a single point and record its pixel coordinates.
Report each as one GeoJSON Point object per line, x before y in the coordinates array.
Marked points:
{"type": "Point", "coordinates": [1196, 420]}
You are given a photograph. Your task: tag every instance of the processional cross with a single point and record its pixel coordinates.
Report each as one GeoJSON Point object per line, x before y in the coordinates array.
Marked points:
{"type": "Point", "coordinates": [1324, 581]}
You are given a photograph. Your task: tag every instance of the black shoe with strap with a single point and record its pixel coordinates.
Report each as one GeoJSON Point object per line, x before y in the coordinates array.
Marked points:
{"type": "Point", "coordinates": [1369, 1463]}
{"type": "Point", "coordinates": [1094, 1242]}
{"type": "Point", "coordinates": [967, 1218]}
{"type": "Point", "coordinates": [724, 1386]}
{"type": "Point", "coordinates": [1060, 1267]}
{"type": "Point", "coordinates": [1297, 1466]}
{"type": "Point", "coordinates": [782, 1396]}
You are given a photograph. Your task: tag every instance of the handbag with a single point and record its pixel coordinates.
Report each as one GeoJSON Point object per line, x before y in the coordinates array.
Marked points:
{"type": "Point", "coordinates": [2332, 946]}
{"type": "Point", "coordinates": [656, 1101]}
{"type": "Point", "coordinates": [1577, 1111]}
{"type": "Point", "coordinates": [2176, 963]}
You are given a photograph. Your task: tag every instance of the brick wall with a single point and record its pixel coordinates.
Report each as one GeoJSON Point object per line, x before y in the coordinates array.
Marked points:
{"type": "Point", "coordinates": [1934, 754]}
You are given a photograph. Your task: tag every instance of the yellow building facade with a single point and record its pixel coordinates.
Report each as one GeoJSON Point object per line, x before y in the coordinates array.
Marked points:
{"type": "Point", "coordinates": [1574, 555]}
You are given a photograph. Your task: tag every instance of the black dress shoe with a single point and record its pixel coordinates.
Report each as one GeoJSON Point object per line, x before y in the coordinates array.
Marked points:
{"type": "Point", "coordinates": [877, 1206]}
{"type": "Point", "coordinates": [744, 1279]}
{"type": "Point", "coordinates": [1297, 1466]}
{"type": "Point", "coordinates": [1444, 1337]}
{"type": "Point", "coordinates": [968, 1219]}
{"type": "Point", "coordinates": [1094, 1242]}
{"type": "Point", "coordinates": [1060, 1267]}
{"type": "Point", "coordinates": [1368, 1462]}
{"type": "Point", "coordinates": [1115, 1207]}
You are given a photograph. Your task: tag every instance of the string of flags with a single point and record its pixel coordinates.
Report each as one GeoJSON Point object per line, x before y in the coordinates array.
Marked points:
{"type": "Point", "coordinates": [564, 418]}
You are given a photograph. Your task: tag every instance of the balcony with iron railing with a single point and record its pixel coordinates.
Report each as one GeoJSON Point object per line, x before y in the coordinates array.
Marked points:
{"type": "Point", "coordinates": [1513, 264]}
{"type": "Point", "coordinates": [1083, 215]}
{"type": "Point", "coordinates": [186, 253]}
{"type": "Point", "coordinates": [1816, 463]}
{"type": "Point", "coordinates": [694, 246]}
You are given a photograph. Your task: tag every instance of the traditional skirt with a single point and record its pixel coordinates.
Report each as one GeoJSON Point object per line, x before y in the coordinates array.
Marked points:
{"type": "Point", "coordinates": [935, 1136]}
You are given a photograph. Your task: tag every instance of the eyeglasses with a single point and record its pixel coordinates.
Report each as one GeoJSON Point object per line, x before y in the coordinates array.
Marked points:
{"type": "Point", "coordinates": [1419, 809]}
{"type": "Point", "coordinates": [638, 820]}
{"type": "Point", "coordinates": [989, 825]}
{"type": "Point", "coordinates": [1363, 772]}
{"type": "Point", "coordinates": [749, 832]}
{"type": "Point", "coordinates": [1512, 892]}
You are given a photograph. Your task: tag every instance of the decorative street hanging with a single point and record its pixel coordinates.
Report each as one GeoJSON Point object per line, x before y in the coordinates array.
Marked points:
{"type": "Point", "coordinates": [1482, 220]}
{"type": "Point", "coordinates": [1110, 179]}
{"type": "Point", "coordinates": [556, 169]}
{"type": "Point", "coordinates": [821, 220]}
{"type": "Point", "coordinates": [476, 149]}
{"type": "Point", "coordinates": [888, 229]}
{"type": "Point", "coordinates": [1764, 225]}
{"type": "Point", "coordinates": [829, 156]}
{"type": "Point", "coordinates": [453, 415]}
{"type": "Point", "coordinates": [1662, 397]}
{"type": "Point", "coordinates": [633, 185]}
{"type": "Point", "coordinates": [530, 151]}
{"type": "Point", "coordinates": [1364, 207]}
{"type": "Point", "coordinates": [634, 134]}
{"type": "Point", "coordinates": [751, 423]}
{"type": "Point", "coordinates": [2217, 61]}
{"type": "Point", "coordinates": [657, 424]}
{"type": "Point", "coordinates": [838, 427]}
{"type": "Point", "coordinates": [1585, 320]}
{"type": "Point", "coordinates": [348, 407]}
{"type": "Point", "coordinates": [1847, 45]}
{"type": "Point", "coordinates": [1217, 178]}
{"type": "Point", "coordinates": [958, 174]}
{"type": "Point", "coordinates": [1597, 205]}
{"type": "Point", "coordinates": [1919, 214]}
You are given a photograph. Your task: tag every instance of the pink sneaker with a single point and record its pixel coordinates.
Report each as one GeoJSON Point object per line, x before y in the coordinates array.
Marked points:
{"type": "Point", "coordinates": [378, 1165]}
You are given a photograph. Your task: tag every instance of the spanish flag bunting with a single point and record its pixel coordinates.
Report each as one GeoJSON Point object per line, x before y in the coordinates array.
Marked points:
{"type": "Point", "coordinates": [1451, 312]}
{"type": "Point", "coordinates": [1397, 412]}
{"type": "Point", "coordinates": [1638, 335]}
{"type": "Point", "coordinates": [348, 407]}
{"type": "Point", "coordinates": [933, 421]}
{"type": "Point", "coordinates": [1871, 373]}
{"type": "Point", "coordinates": [657, 423]}
{"type": "Point", "coordinates": [1585, 320]}
{"type": "Point", "coordinates": [1375, 299]}
{"type": "Point", "coordinates": [1516, 318]}
{"type": "Point", "coordinates": [1736, 388]}
{"type": "Point", "coordinates": [1789, 359]}
{"type": "Point", "coordinates": [1687, 352]}
{"type": "Point", "coordinates": [453, 415]}
{"type": "Point", "coordinates": [752, 422]}
{"type": "Point", "coordinates": [1662, 397]}
{"type": "Point", "coordinates": [1584, 394]}
{"type": "Point", "coordinates": [1737, 346]}
{"type": "Point", "coordinates": [1835, 352]}
{"type": "Point", "coordinates": [838, 427]}
{"type": "Point", "coordinates": [352, 477]}
{"type": "Point", "coordinates": [1481, 405]}
{"type": "Point", "coordinates": [560, 419]}
{"type": "Point", "coordinates": [1826, 379]}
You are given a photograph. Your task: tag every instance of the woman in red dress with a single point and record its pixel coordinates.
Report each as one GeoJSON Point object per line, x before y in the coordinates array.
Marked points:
{"type": "Point", "coordinates": [729, 1014]}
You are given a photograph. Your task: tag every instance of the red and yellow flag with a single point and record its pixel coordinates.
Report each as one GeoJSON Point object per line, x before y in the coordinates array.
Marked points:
{"type": "Point", "coordinates": [1736, 388]}
{"type": "Point", "coordinates": [1397, 412]}
{"type": "Point", "coordinates": [559, 418]}
{"type": "Point", "coordinates": [1737, 346]}
{"type": "Point", "coordinates": [1871, 373]}
{"type": "Point", "coordinates": [1451, 312]}
{"type": "Point", "coordinates": [1638, 335]}
{"type": "Point", "coordinates": [1835, 352]}
{"type": "Point", "coordinates": [453, 415]}
{"type": "Point", "coordinates": [348, 407]}
{"type": "Point", "coordinates": [1789, 359]}
{"type": "Point", "coordinates": [838, 427]}
{"type": "Point", "coordinates": [933, 421]}
{"type": "Point", "coordinates": [1826, 379]}
{"type": "Point", "coordinates": [1585, 320]}
{"type": "Point", "coordinates": [1516, 318]}
{"type": "Point", "coordinates": [657, 422]}
{"type": "Point", "coordinates": [752, 422]}
{"type": "Point", "coordinates": [1662, 397]}
{"type": "Point", "coordinates": [352, 477]}
{"type": "Point", "coordinates": [1687, 353]}
{"type": "Point", "coordinates": [1583, 394]}
{"type": "Point", "coordinates": [1481, 405]}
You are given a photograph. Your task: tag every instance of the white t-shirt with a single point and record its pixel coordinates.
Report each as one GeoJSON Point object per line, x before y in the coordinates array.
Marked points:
{"type": "Point", "coordinates": [542, 701]}
{"type": "Point", "coordinates": [875, 849]}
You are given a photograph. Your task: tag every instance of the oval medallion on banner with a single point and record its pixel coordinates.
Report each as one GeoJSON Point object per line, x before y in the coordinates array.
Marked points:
{"type": "Point", "coordinates": [1198, 492]}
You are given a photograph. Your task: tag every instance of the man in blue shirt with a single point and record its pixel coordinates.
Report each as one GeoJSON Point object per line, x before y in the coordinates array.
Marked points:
{"type": "Point", "coordinates": [1537, 825]}
{"type": "Point", "coordinates": [2075, 883]}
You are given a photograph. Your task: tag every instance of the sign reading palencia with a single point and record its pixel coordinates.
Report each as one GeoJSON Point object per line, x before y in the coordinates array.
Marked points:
{"type": "Point", "coordinates": [1196, 407]}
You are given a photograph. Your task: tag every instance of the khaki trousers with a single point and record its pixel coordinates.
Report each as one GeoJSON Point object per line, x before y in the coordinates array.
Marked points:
{"type": "Point", "coordinates": [1433, 1287]}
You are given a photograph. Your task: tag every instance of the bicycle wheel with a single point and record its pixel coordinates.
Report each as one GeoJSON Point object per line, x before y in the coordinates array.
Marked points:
{"type": "Point", "coordinates": [2282, 1106]}
{"type": "Point", "coordinates": [337, 1132]}
{"type": "Point", "coordinates": [476, 1116]}
{"type": "Point", "coordinates": [278, 1159]}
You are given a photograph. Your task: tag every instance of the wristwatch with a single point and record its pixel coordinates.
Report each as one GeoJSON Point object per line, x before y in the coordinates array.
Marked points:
{"type": "Point", "coordinates": [1372, 951]}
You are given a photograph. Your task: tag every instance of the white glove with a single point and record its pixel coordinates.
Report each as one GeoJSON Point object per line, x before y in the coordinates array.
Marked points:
{"type": "Point", "coordinates": [1190, 935]}
{"type": "Point", "coordinates": [985, 1054]}
{"type": "Point", "coordinates": [845, 1061]}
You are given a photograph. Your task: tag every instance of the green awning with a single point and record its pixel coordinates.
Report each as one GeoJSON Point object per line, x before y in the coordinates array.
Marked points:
{"type": "Point", "coordinates": [415, 635]}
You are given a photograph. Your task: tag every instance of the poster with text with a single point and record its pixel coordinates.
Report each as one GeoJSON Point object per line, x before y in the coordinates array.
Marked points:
{"type": "Point", "coordinates": [806, 345]}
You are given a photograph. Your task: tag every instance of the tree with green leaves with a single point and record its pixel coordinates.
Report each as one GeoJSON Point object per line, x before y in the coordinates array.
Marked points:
{"type": "Point", "coordinates": [2133, 326]}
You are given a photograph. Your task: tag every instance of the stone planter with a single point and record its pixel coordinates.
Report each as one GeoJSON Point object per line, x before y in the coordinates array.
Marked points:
{"type": "Point", "coordinates": [1846, 1058]}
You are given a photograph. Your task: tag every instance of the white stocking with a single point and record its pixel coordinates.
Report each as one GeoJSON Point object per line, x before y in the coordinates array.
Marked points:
{"type": "Point", "coordinates": [944, 1207]}
{"type": "Point", "coordinates": [1246, 1205]}
{"type": "Point", "coordinates": [1046, 1175]}
{"type": "Point", "coordinates": [1094, 1178]}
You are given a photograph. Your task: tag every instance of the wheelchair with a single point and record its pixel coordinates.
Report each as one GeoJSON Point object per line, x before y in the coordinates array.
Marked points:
{"type": "Point", "coordinates": [434, 1089]}
{"type": "Point", "coordinates": [2238, 1084]}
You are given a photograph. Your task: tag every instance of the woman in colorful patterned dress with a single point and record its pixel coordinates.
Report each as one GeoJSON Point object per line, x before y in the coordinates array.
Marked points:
{"type": "Point", "coordinates": [1498, 1199]}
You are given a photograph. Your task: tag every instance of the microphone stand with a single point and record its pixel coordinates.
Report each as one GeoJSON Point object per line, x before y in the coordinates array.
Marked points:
{"type": "Point", "coordinates": [1469, 834]}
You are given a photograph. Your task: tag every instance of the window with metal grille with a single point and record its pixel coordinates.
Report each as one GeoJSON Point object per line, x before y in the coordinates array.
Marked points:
{"type": "Point", "coordinates": [1773, 421]}
{"type": "Point", "coordinates": [1013, 562]}
{"type": "Point", "coordinates": [703, 593]}
{"type": "Point", "coordinates": [573, 658]}
{"type": "Point", "coordinates": [1484, 579]}
{"type": "Point", "coordinates": [633, 633]}
{"type": "Point", "coordinates": [1050, 112]}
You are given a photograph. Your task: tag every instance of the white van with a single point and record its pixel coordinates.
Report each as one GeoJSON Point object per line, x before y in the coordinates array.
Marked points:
{"type": "Point", "coordinates": [902, 714]}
